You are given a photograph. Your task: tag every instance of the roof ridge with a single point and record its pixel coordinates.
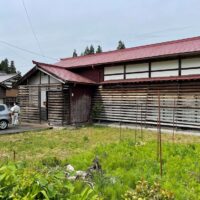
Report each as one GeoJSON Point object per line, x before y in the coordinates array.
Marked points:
{"type": "Point", "coordinates": [136, 47]}
{"type": "Point", "coordinates": [48, 65]}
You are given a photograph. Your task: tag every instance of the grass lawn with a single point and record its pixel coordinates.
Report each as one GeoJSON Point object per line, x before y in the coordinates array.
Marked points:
{"type": "Point", "coordinates": [124, 161]}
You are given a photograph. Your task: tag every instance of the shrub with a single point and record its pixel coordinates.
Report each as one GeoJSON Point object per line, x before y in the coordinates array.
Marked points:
{"type": "Point", "coordinates": [96, 110]}
{"type": "Point", "coordinates": [85, 139]}
{"type": "Point", "coordinates": [144, 191]}
{"type": "Point", "coordinates": [17, 182]}
{"type": "Point", "coordinates": [51, 161]}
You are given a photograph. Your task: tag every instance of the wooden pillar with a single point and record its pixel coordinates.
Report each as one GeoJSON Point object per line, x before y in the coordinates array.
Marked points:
{"type": "Point", "coordinates": [149, 69]}
{"type": "Point", "coordinates": [179, 67]}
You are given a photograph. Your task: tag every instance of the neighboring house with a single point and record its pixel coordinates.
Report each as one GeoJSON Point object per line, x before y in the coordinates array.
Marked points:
{"type": "Point", "coordinates": [8, 94]}
{"type": "Point", "coordinates": [122, 85]}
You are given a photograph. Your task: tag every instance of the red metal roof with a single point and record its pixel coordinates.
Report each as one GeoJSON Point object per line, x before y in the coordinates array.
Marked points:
{"type": "Point", "coordinates": [177, 47]}
{"type": "Point", "coordinates": [157, 79]}
{"type": "Point", "coordinates": [63, 74]}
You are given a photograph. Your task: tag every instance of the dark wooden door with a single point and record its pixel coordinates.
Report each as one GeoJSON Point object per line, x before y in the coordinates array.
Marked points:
{"type": "Point", "coordinates": [80, 105]}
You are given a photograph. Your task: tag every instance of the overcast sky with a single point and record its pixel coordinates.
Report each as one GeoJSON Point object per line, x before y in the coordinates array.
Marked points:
{"type": "Point", "coordinates": [64, 25]}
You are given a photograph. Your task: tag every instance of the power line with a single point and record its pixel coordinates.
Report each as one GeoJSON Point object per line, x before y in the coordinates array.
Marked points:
{"type": "Point", "coordinates": [32, 29]}
{"type": "Point", "coordinates": [26, 50]}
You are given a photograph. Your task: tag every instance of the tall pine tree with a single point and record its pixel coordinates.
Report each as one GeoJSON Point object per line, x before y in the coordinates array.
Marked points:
{"type": "Point", "coordinates": [91, 49]}
{"type": "Point", "coordinates": [4, 65]}
{"type": "Point", "coordinates": [6, 68]}
{"type": "Point", "coordinates": [121, 45]}
{"type": "Point", "coordinates": [12, 68]}
{"type": "Point", "coordinates": [99, 49]}
{"type": "Point", "coordinates": [87, 51]}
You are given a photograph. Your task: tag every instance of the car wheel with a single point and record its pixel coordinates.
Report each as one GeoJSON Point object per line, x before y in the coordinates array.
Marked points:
{"type": "Point", "coordinates": [3, 124]}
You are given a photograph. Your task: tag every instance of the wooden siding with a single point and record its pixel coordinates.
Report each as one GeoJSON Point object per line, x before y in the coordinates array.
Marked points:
{"type": "Point", "coordinates": [11, 92]}
{"type": "Point", "coordinates": [58, 107]}
{"type": "Point", "coordinates": [30, 101]}
{"type": "Point", "coordinates": [2, 92]}
{"type": "Point", "coordinates": [139, 104]}
{"type": "Point", "coordinates": [92, 73]}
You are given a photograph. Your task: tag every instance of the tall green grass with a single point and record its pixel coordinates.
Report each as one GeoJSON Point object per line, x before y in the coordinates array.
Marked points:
{"type": "Point", "coordinates": [124, 162]}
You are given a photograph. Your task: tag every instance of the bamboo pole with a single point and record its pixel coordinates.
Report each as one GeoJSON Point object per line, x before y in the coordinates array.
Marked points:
{"type": "Point", "coordinates": [136, 123]}
{"type": "Point", "coordinates": [159, 133]}
{"type": "Point", "coordinates": [173, 134]}
{"type": "Point", "coordinates": [141, 130]}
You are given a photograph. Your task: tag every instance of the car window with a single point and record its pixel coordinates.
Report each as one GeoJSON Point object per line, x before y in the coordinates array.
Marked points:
{"type": "Point", "coordinates": [2, 108]}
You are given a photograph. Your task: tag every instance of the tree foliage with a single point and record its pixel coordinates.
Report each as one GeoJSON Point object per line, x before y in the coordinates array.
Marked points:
{"type": "Point", "coordinates": [99, 49]}
{"type": "Point", "coordinates": [87, 51]}
{"type": "Point", "coordinates": [121, 45]}
{"type": "Point", "coordinates": [7, 67]}
{"type": "Point", "coordinates": [91, 49]}
{"type": "Point", "coordinates": [18, 182]}
{"type": "Point", "coordinates": [75, 53]}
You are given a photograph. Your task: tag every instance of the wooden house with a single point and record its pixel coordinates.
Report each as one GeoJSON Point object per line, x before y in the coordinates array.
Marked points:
{"type": "Point", "coordinates": [8, 94]}
{"type": "Point", "coordinates": [122, 85]}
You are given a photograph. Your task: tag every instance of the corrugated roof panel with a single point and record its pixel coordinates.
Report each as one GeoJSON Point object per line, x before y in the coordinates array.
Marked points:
{"type": "Point", "coordinates": [176, 47]}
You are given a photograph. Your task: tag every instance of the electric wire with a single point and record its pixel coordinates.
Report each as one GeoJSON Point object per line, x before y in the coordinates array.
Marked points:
{"type": "Point", "coordinates": [26, 50]}
{"type": "Point", "coordinates": [32, 29]}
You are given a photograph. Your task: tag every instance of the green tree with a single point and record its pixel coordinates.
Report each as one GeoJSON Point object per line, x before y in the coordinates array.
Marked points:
{"type": "Point", "coordinates": [12, 68]}
{"type": "Point", "coordinates": [91, 49]}
{"type": "Point", "coordinates": [8, 68]}
{"type": "Point", "coordinates": [87, 51]}
{"type": "Point", "coordinates": [121, 45]}
{"type": "Point", "coordinates": [74, 53]}
{"type": "Point", "coordinates": [99, 49]}
{"type": "Point", "coordinates": [4, 65]}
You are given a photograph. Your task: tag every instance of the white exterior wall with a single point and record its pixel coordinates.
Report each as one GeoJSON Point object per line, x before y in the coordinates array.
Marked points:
{"type": "Point", "coordinates": [44, 78]}
{"type": "Point", "coordinates": [53, 80]}
{"type": "Point", "coordinates": [138, 75]}
{"type": "Point", "coordinates": [171, 68]}
{"type": "Point", "coordinates": [190, 62]}
{"type": "Point", "coordinates": [171, 64]}
{"type": "Point", "coordinates": [164, 74]}
{"type": "Point", "coordinates": [137, 67]}
{"type": "Point", "coordinates": [113, 77]}
{"type": "Point", "coordinates": [43, 97]}
{"type": "Point", "coordinates": [190, 71]}
{"type": "Point", "coordinates": [114, 69]}
{"type": "Point", "coordinates": [35, 80]}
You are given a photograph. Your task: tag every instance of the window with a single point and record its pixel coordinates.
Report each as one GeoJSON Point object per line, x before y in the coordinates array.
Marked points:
{"type": "Point", "coordinates": [2, 108]}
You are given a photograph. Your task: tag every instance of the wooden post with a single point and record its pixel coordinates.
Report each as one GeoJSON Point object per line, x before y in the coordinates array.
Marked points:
{"type": "Point", "coordinates": [14, 155]}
